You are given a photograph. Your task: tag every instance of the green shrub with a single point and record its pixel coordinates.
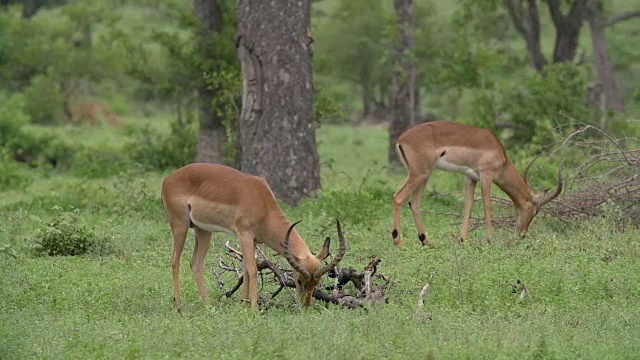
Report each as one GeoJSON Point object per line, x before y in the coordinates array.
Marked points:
{"type": "Point", "coordinates": [43, 100]}
{"type": "Point", "coordinates": [12, 117]}
{"type": "Point", "coordinates": [13, 176]}
{"type": "Point", "coordinates": [353, 207]}
{"type": "Point", "coordinates": [535, 103]}
{"type": "Point", "coordinates": [68, 235]}
{"type": "Point", "coordinates": [99, 161]}
{"type": "Point", "coordinates": [154, 149]}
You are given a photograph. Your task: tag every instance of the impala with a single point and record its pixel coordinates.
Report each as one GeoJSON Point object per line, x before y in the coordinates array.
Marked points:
{"type": "Point", "coordinates": [215, 198]}
{"type": "Point", "coordinates": [480, 156]}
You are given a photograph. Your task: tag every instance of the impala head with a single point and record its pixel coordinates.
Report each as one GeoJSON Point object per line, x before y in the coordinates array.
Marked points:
{"type": "Point", "coordinates": [530, 210]}
{"type": "Point", "coordinates": [308, 272]}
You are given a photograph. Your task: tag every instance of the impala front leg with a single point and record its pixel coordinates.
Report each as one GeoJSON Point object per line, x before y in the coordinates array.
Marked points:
{"type": "Point", "coordinates": [469, 190]}
{"type": "Point", "coordinates": [250, 284]}
{"type": "Point", "coordinates": [485, 187]}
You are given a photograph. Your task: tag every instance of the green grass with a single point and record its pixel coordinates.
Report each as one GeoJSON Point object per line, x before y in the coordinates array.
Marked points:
{"type": "Point", "coordinates": [583, 280]}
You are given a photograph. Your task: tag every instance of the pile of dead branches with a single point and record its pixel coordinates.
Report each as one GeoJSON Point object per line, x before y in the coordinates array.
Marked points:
{"type": "Point", "coordinates": [369, 286]}
{"type": "Point", "coordinates": [606, 177]}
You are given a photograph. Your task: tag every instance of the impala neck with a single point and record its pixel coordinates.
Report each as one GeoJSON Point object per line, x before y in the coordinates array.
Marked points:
{"type": "Point", "coordinates": [277, 226]}
{"type": "Point", "coordinates": [514, 186]}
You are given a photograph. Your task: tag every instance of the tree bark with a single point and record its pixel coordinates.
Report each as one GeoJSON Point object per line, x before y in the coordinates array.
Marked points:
{"type": "Point", "coordinates": [402, 102]}
{"type": "Point", "coordinates": [276, 127]}
{"type": "Point", "coordinates": [211, 134]}
{"type": "Point", "coordinates": [606, 76]}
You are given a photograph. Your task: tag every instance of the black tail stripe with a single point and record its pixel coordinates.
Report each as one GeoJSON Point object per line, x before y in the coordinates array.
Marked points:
{"type": "Point", "coordinates": [403, 155]}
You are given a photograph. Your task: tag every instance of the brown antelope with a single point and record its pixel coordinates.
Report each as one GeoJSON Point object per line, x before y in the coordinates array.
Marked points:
{"type": "Point", "coordinates": [215, 198]}
{"type": "Point", "coordinates": [480, 156]}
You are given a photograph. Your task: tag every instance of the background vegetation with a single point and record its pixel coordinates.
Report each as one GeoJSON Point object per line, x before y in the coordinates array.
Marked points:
{"type": "Point", "coordinates": [97, 105]}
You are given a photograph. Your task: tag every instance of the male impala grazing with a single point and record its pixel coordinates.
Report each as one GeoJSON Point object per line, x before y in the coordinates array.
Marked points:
{"type": "Point", "coordinates": [213, 198]}
{"type": "Point", "coordinates": [474, 152]}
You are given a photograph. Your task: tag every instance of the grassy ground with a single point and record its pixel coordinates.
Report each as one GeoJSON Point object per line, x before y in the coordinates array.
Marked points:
{"type": "Point", "coordinates": [583, 280]}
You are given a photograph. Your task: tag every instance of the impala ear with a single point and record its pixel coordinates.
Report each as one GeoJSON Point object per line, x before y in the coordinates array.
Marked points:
{"type": "Point", "coordinates": [325, 250]}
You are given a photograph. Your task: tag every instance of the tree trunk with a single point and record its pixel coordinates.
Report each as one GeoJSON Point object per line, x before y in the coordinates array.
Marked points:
{"type": "Point", "coordinates": [211, 133]}
{"type": "Point", "coordinates": [402, 102]}
{"type": "Point", "coordinates": [367, 92]}
{"type": "Point", "coordinates": [527, 22]}
{"type": "Point", "coordinates": [606, 76]}
{"type": "Point", "coordinates": [276, 127]}
{"type": "Point", "coordinates": [567, 29]}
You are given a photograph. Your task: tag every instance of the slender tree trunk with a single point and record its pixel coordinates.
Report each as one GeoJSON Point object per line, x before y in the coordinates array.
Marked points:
{"type": "Point", "coordinates": [367, 92]}
{"type": "Point", "coordinates": [211, 134]}
{"type": "Point", "coordinates": [606, 76]}
{"type": "Point", "coordinates": [526, 19]}
{"type": "Point", "coordinates": [276, 125]}
{"type": "Point", "coordinates": [402, 102]}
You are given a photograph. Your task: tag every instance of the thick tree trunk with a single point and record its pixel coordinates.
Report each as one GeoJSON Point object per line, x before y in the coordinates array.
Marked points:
{"type": "Point", "coordinates": [211, 133]}
{"type": "Point", "coordinates": [402, 102]}
{"type": "Point", "coordinates": [276, 126]}
{"type": "Point", "coordinates": [604, 68]}
{"type": "Point", "coordinates": [567, 29]}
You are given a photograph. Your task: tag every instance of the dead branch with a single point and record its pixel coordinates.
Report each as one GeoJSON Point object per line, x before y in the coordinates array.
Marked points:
{"type": "Point", "coordinates": [337, 295]}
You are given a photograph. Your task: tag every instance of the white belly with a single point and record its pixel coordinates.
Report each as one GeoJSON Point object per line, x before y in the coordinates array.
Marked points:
{"type": "Point", "coordinates": [451, 167]}
{"type": "Point", "coordinates": [210, 227]}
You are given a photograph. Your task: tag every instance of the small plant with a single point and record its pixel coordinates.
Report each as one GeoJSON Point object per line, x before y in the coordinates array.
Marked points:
{"type": "Point", "coordinates": [68, 235]}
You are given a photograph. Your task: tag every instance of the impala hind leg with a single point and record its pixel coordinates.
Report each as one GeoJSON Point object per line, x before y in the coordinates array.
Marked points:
{"type": "Point", "coordinates": [203, 241]}
{"type": "Point", "coordinates": [179, 231]}
{"type": "Point", "coordinates": [469, 190]}
{"type": "Point", "coordinates": [416, 204]}
{"type": "Point", "coordinates": [399, 198]}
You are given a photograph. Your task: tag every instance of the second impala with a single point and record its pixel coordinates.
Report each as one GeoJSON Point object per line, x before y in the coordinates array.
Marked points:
{"type": "Point", "coordinates": [480, 156]}
{"type": "Point", "coordinates": [212, 198]}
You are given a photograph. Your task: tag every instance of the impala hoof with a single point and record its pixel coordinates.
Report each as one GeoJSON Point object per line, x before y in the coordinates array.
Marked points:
{"type": "Point", "coordinates": [423, 239]}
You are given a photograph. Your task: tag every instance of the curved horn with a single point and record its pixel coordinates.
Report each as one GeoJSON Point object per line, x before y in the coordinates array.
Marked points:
{"type": "Point", "coordinates": [547, 198]}
{"type": "Point", "coordinates": [525, 176]}
{"type": "Point", "coordinates": [341, 251]}
{"type": "Point", "coordinates": [295, 264]}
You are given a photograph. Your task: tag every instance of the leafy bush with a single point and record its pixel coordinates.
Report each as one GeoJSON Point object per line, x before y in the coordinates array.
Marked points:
{"type": "Point", "coordinates": [12, 117]}
{"type": "Point", "coordinates": [68, 235]}
{"type": "Point", "coordinates": [361, 207]}
{"type": "Point", "coordinates": [13, 176]}
{"type": "Point", "coordinates": [99, 161]}
{"type": "Point", "coordinates": [43, 100]}
{"type": "Point", "coordinates": [535, 103]}
{"type": "Point", "coordinates": [154, 149]}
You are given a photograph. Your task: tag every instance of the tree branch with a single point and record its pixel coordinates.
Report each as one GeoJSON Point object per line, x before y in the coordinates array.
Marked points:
{"type": "Point", "coordinates": [516, 16]}
{"type": "Point", "coordinates": [556, 13]}
{"type": "Point", "coordinates": [621, 17]}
